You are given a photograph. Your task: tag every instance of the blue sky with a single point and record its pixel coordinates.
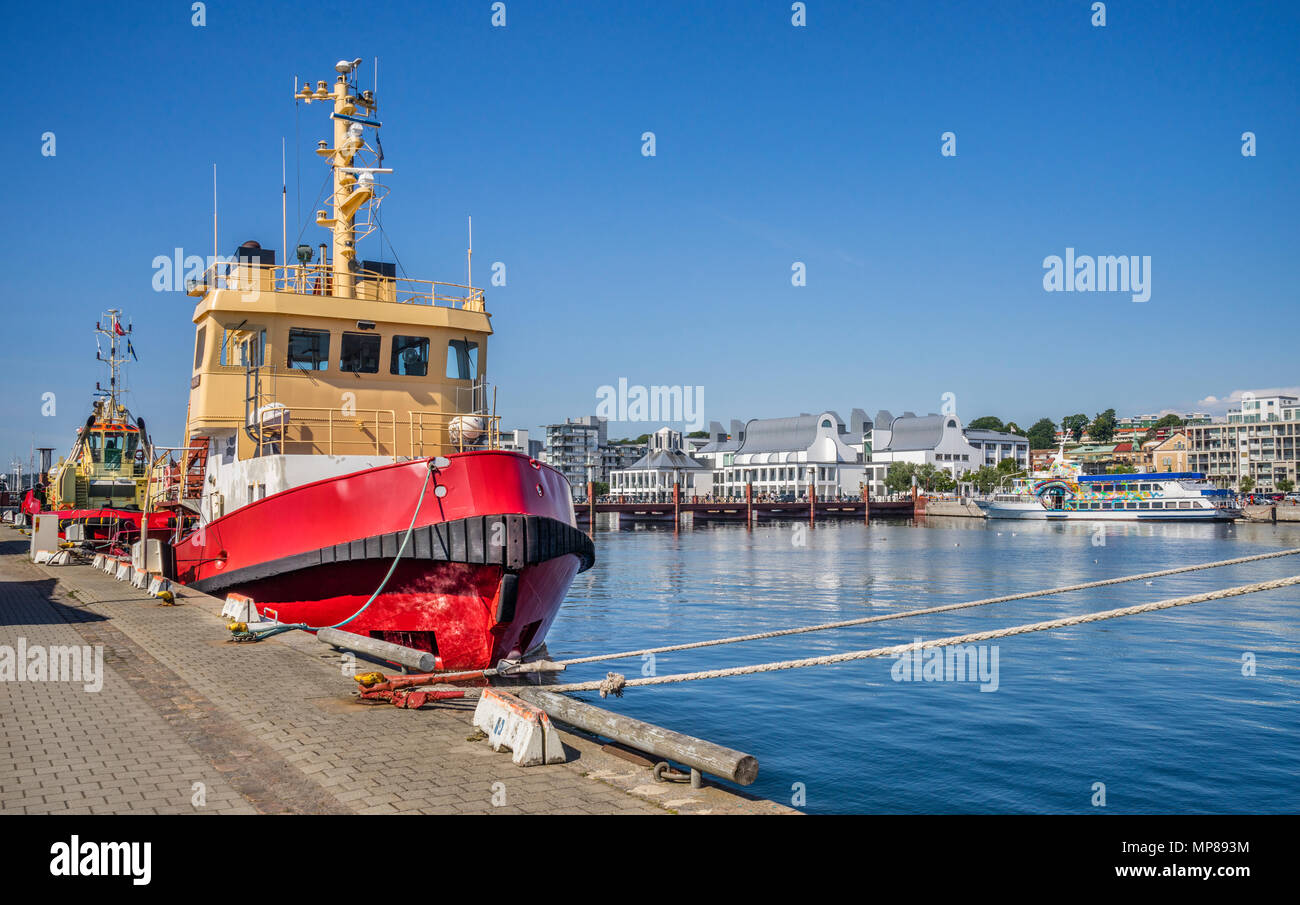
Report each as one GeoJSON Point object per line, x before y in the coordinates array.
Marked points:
{"type": "Point", "coordinates": [775, 144]}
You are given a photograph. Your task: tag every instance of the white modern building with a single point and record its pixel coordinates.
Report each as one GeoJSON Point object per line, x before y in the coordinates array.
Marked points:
{"type": "Point", "coordinates": [941, 441]}
{"type": "Point", "coordinates": [665, 464]}
{"type": "Point", "coordinates": [785, 457]}
{"type": "Point", "coordinates": [1256, 410]}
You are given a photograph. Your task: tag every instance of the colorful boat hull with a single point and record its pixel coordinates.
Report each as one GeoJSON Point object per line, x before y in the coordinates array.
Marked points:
{"type": "Point", "coordinates": [491, 556]}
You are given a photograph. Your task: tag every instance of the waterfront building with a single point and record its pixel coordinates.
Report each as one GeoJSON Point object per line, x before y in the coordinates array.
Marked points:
{"type": "Point", "coordinates": [1135, 453]}
{"type": "Point", "coordinates": [719, 444]}
{"type": "Point", "coordinates": [1095, 458]}
{"type": "Point", "coordinates": [694, 444]}
{"type": "Point", "coordinates": [573, 449]}
{"type": "Point", "coordinates": [1171, 454]}
{"type": "Point", "coordinates": [580, 449]}
{"type": "Point", "coordinates": [785, 457]}
{"type": "Point", "coordinates": [1041, 459]}
{"type": "Point", "coordinates": [664, 464]}
{"type": "Point", "coordinates": [1258, 409]}
{"type": "Point", "coordinates": [941, 441]}
{"type": "Point", "coordinates": [1262, 442]}
{"type": "Point", "coordinates": [614, 456]}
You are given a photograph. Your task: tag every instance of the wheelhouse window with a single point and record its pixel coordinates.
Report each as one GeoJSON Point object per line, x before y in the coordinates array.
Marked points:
{"type": "Point", "coordinates": [243, 348]}
{"type": "Point", "coordinates": [113, 448]}
{"type": "Point", "coordinates": [359, 353]}
{"type": "Point", "coordinates": [198, 347]}
{"type": "Point", "coordinates": [253, 348]}
{"type": "Point", "coordinates": [462, 359]}
{"type": "Point", "coordinates": [309, 350]}
{"type": "Point", "coordinates": [410, 356]}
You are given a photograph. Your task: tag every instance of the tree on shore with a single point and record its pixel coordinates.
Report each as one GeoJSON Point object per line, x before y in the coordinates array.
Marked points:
{"type": "Point", "coordinates": [1246, 484]}
{"type": "Point", "coordinates": [1074, 425]}
{"type": "Point", "coordinates": [932, 478]}
{"type": "Point", "coordinates": [899, 476]}
{"type": "Point", "coordinates": [1042, 435]}
{"type": "Point", "coordinates": [928, 477]}
{"type": "Point", "coordinates": [1102, 429]}
{"type": "Point", "coordinates": [985, 478]}
{"type": "Point", "coordinates": [987, 423]}
{"type": "Point", "coordinates": [1170, 420]}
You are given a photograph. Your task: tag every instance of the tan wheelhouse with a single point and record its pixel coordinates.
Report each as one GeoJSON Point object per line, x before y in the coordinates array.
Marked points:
{"type": "Point", "coordinates": [335, 356]}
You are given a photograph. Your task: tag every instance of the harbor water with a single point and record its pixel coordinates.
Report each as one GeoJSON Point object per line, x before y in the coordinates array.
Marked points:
{"type": "Point", "coordinates": [1158, 712]}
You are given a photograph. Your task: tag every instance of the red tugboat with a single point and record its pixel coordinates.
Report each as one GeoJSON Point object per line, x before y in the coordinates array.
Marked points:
{"type": "Point", "coordinates": [340, 414]}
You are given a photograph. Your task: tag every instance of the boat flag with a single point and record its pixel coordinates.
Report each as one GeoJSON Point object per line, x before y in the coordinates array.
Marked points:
{"type": "Point", "coordinates": [131, 349]}
{"type": "Point", "coordinates": [117, 328]}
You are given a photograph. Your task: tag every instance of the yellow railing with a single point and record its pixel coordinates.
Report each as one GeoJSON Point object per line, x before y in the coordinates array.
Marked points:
{"type": "Point", "coordinates": [432, 433]}
{"type": "Point", "coordinates": [307, 430]}
{"type": "Point", "coordinates": [317, 279]}
{"type": "Point", "coordinates": [310, 430]}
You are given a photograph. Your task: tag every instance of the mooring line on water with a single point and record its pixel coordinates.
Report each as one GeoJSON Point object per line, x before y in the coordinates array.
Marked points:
{"type": "Point", "coordinates": [615, 683]}
{"type": "Point", "coordinates": [945, 608]}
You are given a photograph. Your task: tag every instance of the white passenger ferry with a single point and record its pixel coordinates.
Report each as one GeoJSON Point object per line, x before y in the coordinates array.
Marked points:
{"type": "Point", "coordinates": [1063, 492]}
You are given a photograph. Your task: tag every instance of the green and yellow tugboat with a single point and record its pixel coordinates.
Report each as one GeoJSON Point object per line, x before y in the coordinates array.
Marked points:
{"type": "Point", "coordinates": [103, 483]}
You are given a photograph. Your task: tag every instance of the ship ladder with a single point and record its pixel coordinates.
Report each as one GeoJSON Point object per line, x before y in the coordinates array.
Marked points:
{"type": "Point", "coordinates": [195, 468]}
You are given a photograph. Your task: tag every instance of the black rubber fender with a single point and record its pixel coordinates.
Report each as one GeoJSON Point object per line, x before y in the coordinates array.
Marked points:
{"type": "Point", "coordinates": [507, 597]}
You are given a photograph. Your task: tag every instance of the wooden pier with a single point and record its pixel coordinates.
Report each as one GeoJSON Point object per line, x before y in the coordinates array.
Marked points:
{"type": "Point", "coordinates": [749, 510]}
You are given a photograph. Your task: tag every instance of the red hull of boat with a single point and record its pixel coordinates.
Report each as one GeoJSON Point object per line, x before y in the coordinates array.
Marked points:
{"type": "Point", "coordinates": [108, 524]}
{"type": "Point", "coordinates": [481, 580]}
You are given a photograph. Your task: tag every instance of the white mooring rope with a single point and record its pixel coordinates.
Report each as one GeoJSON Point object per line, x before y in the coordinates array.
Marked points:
{"type": "Point", "coordinates": [611, 685]}
{"type": "Point", "coordinates": [946, 608]}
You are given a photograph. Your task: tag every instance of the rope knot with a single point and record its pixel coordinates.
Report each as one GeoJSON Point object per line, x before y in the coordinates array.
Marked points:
{"type": "Point", "coordinates": [612, 684]}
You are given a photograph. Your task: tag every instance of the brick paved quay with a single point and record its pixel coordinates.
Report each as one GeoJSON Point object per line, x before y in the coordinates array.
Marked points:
{"type": "Point", "coordinates": [265, 728]}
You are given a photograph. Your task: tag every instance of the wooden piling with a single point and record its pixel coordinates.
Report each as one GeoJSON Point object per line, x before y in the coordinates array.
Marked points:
{"type": "Point", "coordinates": [693, 752]}
{"type": "Point", "coordinates": [812, 500]}
{"type": "Point", "coordinates": [749, 505]}
{"type": "Point", "coordinates": [591, 508]}
{"type": "Point", "coordinates": [677, 505]}
{"type": "Point", "coordinates": [418, 660]}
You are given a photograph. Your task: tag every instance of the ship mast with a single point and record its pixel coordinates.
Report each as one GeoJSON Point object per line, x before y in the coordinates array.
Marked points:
{"type": "Point", "coordinates": [115, 333]}
{"type": "Point", "coordinates": [353, 185]}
